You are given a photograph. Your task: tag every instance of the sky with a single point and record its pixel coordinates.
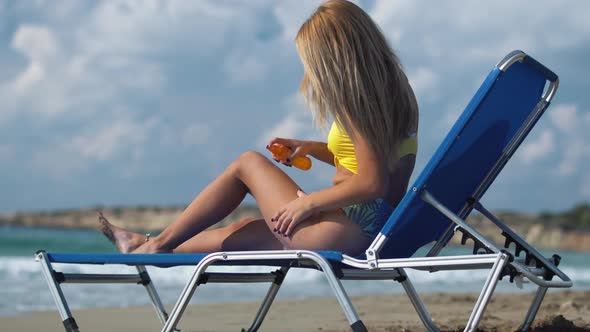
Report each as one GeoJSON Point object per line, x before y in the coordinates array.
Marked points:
{"type": "Point", "coordinates": [145, 102]}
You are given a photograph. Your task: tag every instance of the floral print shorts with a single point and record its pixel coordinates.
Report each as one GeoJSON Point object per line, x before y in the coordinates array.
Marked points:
{"type": "Point", "coordinates": [370, 216]}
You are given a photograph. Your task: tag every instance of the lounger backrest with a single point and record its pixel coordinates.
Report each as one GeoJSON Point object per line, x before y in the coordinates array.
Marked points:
{"type": "Point", "coordinates": [472, 154]}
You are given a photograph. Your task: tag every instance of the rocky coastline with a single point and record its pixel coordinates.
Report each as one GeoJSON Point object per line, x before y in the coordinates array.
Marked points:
{"type": "Point", "coordinates": [536, 229]}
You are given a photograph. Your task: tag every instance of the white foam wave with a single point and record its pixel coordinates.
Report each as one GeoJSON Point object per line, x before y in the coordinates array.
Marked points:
{"type": "Point", "coordinates": [12, 268]}
{"type": "Point", "coordinates": [579, 275]}
{"type": "Point", "coordinates": [17, 266]}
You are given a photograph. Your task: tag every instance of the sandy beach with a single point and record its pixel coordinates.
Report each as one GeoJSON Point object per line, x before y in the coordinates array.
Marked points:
{"type": "Point", "coordinates": [561, 311]}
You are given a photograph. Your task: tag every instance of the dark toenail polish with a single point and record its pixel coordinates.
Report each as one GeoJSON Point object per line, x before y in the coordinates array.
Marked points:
{"type": "Point", "coordinates": [267, 146]}
{"type": "Point", "coordinates": [288, 160]}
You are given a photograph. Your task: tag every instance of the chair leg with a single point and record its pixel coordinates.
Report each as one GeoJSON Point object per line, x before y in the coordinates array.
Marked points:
{"type": "Point", "coordinates": [268, 299]}
{"type": "Point", "coordinates": [530, 316]}
{"type": "Point", "coordinates": [153, 294]}
{"type": "Point", "coordinates": [68, 320]}
{"type": "Point", "coordinates": [355, 323]}
{"type": "Point", "coordinates": [186, 295]}
{"type": "Point", "coordinates": [358, 326]}
{"type": "Point", "coordinates": [416, 301]}
{"type": "Point", "coordinates": [486, 293]}
{"type": "Point", "coordinates": [353, 319]}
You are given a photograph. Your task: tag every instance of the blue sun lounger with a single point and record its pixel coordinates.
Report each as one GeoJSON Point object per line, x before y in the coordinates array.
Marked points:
{"type": "Point", "coordinates": [496, 121]}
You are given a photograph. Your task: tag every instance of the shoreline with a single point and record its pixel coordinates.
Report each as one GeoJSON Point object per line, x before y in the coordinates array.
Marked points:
{"type": "Point", "coordinates": [561, 311]}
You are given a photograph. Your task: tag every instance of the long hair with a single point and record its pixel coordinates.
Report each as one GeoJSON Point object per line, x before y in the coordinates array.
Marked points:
{"type": "Point", "coordinates": [352, 75]}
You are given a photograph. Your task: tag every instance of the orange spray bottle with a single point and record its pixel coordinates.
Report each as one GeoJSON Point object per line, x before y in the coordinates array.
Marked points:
{"type": "Point", "coordinates": [282, 152]}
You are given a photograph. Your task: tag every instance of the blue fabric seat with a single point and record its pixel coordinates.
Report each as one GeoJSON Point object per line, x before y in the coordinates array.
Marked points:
{"type": "Point", "coordinates": [165, 260]}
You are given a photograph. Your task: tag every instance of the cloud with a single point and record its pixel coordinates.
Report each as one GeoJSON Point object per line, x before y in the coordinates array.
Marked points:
{"type": "Point", "coordinates": [464, 33]}
{"type": "Point", "coordinates": [131, 83]}
{"type": "Point", "coordinates": [39, 45]}
{"type": "Point", "coordinates": [245, 69]}
{"type": "Point", "coordinates": [121, 47]}
{"type": "Point", "coordinates": [450, 117]}
{"type": "Point", "coordinates": [566, 141]}
{"type": "Point", "coordinates": [423, 80]}
{"type": "Point", "coordinates": [291, 127]}
{"type": "Point", "coordinates": [291, 14]}
{"type": "Point", "coordinates": [115, 66]}
{"type": "Point", "coordinates": [196, 134]}
{"type": "Point", "coordinates": [297, 122]}
{"type": "Point", "coordinates": [574, 151]}
{"type": "Point", "coordinates": [573, 137]}
{"type": "Point", "coordinates": [153, 27]}
{"type": "Point", "coordinates": [123, 138]}
{"type": "Point", "coordinates": [34, 73]}
{"type": "Point", "coordinates": [564, 117]}
{"type": "Point", "coordinates": [64, 83]}
{"type": "Point", "coordinates": [384, 13]}
{"type": "Point", "coordinates": [107, 142]}
{"type": "Point", "coordinates": [538, 149]}
{"type": "Point", "coordinates": [270, 46]}
{"type": "Point", "coordinates": [461, 42]}
{"type": "Point", "coordinates": [36, 42]}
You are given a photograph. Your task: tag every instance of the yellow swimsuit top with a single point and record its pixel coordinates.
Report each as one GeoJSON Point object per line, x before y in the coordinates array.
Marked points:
{"type": "Point", "coordinates": [340, 144]}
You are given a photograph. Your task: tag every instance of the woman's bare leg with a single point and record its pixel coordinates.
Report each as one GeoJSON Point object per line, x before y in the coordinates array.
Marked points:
{"type": "Point", "coordinates": [220, 198]}
{"type": "Point", "coordinates": [246, 234]}
{"type": "Point", "coordinates": [215, 202]}
{"type": "Point", "coordinates": [272, 188]}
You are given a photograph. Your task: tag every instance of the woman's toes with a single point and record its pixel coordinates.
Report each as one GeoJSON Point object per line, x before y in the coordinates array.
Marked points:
{"type": "Point", "coordinates": [105, 228]}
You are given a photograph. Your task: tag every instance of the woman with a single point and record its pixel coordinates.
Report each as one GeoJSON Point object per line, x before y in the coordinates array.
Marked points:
{"type": "Point", "coordinates": [352, 76]}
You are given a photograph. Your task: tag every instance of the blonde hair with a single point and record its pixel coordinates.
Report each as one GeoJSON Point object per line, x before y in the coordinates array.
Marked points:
{"type": "Point", "coordinates": [352, 75]}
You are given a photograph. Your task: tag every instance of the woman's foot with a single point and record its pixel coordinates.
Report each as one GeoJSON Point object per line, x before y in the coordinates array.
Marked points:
{"type": "Point", "coordinates": [123, 239]}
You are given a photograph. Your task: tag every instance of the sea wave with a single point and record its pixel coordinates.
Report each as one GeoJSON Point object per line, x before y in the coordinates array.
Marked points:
{"type": "Point", "coordinates": [23, 268]}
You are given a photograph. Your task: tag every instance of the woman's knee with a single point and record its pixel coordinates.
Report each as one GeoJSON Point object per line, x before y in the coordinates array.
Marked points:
{"type": "Point", "coordinates": [248, 159]}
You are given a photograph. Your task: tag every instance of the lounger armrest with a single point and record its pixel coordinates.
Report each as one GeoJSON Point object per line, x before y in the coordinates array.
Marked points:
{"type": "Point", "coordinates": [522, 246]}
{"type": "Point", "coordinates": [565, 281]}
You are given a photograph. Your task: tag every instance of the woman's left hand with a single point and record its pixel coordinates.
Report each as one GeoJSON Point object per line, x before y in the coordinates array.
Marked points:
{"type": "Point", "coordinates": [292, 214]}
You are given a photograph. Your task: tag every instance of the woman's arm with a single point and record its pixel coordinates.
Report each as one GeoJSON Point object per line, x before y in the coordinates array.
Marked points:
{"type": "Point", "coordinates": [319, 150]}
{"type": "Point", "coordinates": [300, 148]}
{"type": "Point", "coordinates": [370, 182]}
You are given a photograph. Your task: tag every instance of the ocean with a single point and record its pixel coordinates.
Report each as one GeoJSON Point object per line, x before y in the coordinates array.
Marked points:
{"type": "Point", "coordinates": [24, 290]}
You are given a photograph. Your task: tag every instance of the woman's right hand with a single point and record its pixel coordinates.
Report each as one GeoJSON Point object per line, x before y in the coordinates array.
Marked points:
{"type": "Point", "coordinates": [299, 148]}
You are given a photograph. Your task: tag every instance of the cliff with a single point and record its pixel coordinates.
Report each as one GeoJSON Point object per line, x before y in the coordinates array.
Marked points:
{"type": "Point", "coordinates": [563, 231]}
